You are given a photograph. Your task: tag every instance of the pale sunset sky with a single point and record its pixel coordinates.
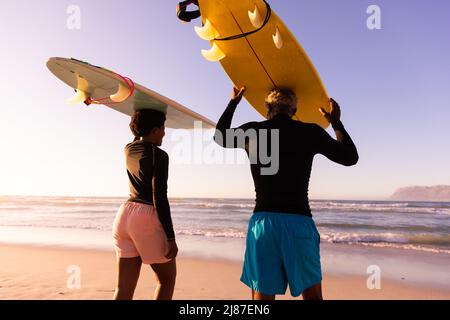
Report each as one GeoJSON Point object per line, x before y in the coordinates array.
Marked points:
{"type": "Point", "coordinates": [393, 86]}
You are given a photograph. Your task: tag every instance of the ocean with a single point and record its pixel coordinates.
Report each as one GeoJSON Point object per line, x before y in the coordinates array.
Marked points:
{"type": "Point", "coordinates": [412, 226]}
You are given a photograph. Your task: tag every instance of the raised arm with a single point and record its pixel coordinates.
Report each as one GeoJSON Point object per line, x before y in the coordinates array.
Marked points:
{"type": "Point", "coordinates": [342, 150]}
{"type": "Point", "coordinates": [225, 136]}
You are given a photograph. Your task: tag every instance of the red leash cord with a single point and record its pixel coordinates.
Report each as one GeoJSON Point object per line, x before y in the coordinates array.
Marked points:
{"type": "Point", "coordinates": [128, 82]}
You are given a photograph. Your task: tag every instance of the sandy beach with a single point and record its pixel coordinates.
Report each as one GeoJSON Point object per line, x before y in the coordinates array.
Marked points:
{"type": "Point", "coordinates": [32, 272]}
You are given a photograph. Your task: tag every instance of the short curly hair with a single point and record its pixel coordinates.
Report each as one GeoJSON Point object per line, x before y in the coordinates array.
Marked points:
{"type": "Point", "coordinates": [281, 100]}
{"type": "Point", "coordinates": [143, 121]}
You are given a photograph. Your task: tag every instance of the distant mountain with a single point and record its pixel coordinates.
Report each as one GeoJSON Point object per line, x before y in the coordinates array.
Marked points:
{"type": "Point", "coordinates": [418, 193]}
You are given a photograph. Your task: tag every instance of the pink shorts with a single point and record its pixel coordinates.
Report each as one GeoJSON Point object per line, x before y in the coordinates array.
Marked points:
{"type": "Point", "coordinates": [137, 232]}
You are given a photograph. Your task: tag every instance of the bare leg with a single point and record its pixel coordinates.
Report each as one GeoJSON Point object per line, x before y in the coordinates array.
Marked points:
{"type": "Point", "coordinates": [129, 270]}
{"type": "Point", "coordinates": [261, 296]}
{"type": "Point", "coordinates": [313, 293]}
{"type": "Point", "coordinates": [166, 274]}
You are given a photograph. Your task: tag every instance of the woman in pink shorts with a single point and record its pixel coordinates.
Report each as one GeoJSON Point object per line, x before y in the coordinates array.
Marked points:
{"type": "Point", "coordinates": [143, 231]}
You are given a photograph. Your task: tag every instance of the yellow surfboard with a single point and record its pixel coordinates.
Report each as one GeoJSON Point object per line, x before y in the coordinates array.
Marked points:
{"type": "Point", "coordinates": [259, 52]}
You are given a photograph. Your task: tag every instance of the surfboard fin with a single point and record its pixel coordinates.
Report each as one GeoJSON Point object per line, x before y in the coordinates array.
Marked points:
{"type": "Point", "coordinates": [207, 32]}
{"type": "Point", "coordinates": [82, 92]}
{"type": "Point", "coordinates": [80, 96]}
{"type": "Point", "coordinates": [214, 54]}
{"type": "Point", "coordinates": [123, 92]}
{"type": "Point", "coordinates": [255, 18]}
{"type": "Point", "coordinates": [278, 39]}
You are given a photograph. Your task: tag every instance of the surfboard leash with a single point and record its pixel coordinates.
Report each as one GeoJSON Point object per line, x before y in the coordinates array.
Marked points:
{"type": "Point", "coordinates": [131, 86]}
{"type": "Point", "coordinates": [187, 16]}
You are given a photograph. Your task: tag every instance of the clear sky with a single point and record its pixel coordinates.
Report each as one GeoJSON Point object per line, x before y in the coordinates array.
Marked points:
{"type": "Point", "coordinates": [393, 86]}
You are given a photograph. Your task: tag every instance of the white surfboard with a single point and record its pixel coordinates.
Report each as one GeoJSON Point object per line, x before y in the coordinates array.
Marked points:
{"type": "Point", "coordinates": [102, 86]}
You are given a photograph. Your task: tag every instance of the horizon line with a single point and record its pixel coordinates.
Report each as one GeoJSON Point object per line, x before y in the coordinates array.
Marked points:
{"type": "Point", "coordinates": [200, 197]}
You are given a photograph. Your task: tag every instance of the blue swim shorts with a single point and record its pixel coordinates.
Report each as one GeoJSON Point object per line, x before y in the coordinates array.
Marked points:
{"type": "Point", "coordinates": [282, 249]}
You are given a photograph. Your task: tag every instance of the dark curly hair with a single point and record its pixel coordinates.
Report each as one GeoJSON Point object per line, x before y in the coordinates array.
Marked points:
{"type": "Point", "coordinates": [143, 121]}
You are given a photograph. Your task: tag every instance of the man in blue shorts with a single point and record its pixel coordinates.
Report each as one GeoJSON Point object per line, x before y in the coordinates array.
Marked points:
{"type": "Point", "coordinates": [283, 243]}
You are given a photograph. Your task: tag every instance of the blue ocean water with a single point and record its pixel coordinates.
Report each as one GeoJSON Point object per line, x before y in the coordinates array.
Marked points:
{"type": "Point", "coordinates": [422, 226]}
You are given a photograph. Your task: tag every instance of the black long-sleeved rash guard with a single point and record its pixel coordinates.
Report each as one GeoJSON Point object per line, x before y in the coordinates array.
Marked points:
{"type": "Point", "coordinates": [287, 189]}
{"type": "Point", "coordinates": [148, 179]}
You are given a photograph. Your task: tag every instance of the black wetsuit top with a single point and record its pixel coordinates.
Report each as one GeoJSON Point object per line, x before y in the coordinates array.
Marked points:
{"type": "Point", "coordinates": [287, 190]}
{"type": "Point", "coordinates": [148, 171]}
